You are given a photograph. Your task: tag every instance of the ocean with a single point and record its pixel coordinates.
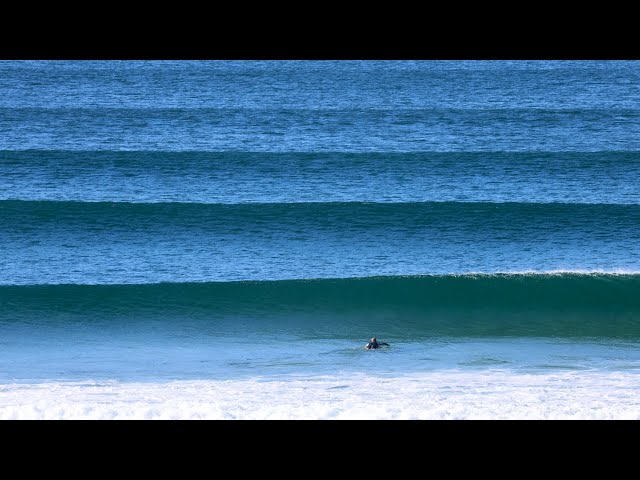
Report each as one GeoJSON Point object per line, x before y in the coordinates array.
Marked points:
{"type": "Point", "coordinates": [220, 239]}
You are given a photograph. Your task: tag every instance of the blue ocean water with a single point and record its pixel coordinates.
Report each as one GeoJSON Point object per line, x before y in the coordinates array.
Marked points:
{"type": "Point", "coordinates": [246, 221]}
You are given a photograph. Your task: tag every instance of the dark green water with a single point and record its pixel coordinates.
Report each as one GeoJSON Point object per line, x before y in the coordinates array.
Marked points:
{"type": "Point", "coordinates": [518, 305]}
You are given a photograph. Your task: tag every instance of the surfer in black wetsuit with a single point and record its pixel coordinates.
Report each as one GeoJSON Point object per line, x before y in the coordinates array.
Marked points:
{"type": "Point", "coordinates": [375, 344]}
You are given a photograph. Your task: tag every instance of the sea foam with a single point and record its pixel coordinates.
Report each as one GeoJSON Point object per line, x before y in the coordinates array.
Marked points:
{"type": "Point", "coordinates": [490, 394]}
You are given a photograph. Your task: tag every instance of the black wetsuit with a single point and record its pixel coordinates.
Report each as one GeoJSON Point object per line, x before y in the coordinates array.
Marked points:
{"type": "Point", "coordinates": [375, 344]}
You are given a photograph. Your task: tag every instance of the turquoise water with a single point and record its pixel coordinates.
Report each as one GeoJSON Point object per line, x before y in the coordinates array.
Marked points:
{"type": "Point", "coordinates": [252, 221]}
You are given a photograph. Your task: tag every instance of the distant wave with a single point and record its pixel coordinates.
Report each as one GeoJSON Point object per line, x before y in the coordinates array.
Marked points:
{"type": "Point", "coordinates": [312, 129]}
{"type": "Point", "coordinates": [407, 216]}
{"type": "Point", "coordinates": [251, 177]}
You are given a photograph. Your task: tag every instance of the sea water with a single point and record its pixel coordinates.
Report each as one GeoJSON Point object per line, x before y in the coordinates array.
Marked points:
{"type": "Point", "coordinates": [220, 239]}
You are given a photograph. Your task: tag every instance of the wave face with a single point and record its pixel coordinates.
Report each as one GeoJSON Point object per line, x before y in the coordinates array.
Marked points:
{"type": "Point", "coordinates": [409, 308]}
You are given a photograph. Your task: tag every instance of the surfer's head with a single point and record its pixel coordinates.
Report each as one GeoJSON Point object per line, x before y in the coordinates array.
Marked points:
{"type": "Point", "coordinates": [373, 340]}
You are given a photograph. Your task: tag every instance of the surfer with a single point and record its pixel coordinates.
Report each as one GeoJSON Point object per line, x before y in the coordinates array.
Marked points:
{"type": "Point", "coordinates": [375, 344]}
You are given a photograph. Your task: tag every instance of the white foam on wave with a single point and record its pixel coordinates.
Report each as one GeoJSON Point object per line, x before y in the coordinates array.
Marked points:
{"type": "Point", "coordinates": [462, 273]}
{"type": "Point", "coordinates": [497, 394]}
{"type": "Point", "coordinates": [554, 272]}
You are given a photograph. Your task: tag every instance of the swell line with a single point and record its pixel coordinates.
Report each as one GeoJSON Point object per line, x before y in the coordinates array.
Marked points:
{"type": "Point", "coordinates": [406, 215]}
